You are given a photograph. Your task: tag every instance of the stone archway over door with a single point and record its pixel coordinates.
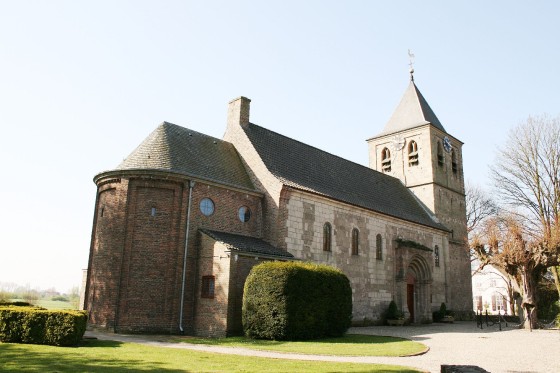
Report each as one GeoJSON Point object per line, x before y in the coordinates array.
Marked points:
{"type": "Point", "coordinates": [419, 279]}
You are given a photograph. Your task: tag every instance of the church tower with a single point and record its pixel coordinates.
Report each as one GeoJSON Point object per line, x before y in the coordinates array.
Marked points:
{"type": "Point", "coordinates": [415, 148]}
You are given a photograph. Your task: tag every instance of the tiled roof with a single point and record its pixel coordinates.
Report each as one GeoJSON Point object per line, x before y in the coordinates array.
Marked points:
{"type": "Point", "coordinates": [247, 244]}
{"type": "Point", "coordinates": [307, 168]}
{"type": "Point", "coordinates": [412, 111]}
{"type": "Point", "coordinates": [177, 149]}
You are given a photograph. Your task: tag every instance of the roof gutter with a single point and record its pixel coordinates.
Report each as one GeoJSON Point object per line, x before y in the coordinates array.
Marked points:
{"type": "Point", "coordinates": [191, 186]}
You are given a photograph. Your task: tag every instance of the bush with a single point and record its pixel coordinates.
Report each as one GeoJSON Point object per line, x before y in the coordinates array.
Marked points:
{"type": "Point", "coordinates": [39, 326]}
{"type": "Point", "coordinates": [438, 316]}
{"type": "Point", "coordinates": [17, 303]}
{"type": "Point", "coordinates": [60, 298]}
{"type": "Point", "coordinates": [296, 301]}
{"type": "Point", "coordinates": [393, 312]}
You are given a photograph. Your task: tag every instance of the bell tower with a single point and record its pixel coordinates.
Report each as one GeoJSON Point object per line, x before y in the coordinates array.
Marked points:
{"type": "Point", "coordinates": [415, 148]}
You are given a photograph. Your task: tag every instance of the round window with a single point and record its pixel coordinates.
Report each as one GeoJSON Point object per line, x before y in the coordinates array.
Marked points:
{"type": "Point", "coordinates": [244, 214]}
{"type": "Point", "coordinates": [207, 206]}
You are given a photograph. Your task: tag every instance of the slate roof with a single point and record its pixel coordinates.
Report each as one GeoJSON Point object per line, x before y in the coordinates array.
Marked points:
{"type": "Point", "coordinates": [247, 244]}
{"type": "Point", "coordinates": [304, 167]}
{"type": "Point", "coordinates": [177, 149]}
{"type": "Point", "coordinates": [412, 111]}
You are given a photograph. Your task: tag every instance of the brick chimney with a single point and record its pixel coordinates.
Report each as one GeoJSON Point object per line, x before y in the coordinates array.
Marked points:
{"type": "Point", "coordinates": [238, 112]}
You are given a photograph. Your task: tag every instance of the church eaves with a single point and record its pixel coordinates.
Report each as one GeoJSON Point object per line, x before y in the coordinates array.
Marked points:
{"type": "Point", "coordinates": [248, 245]}
{"type": "Point", "coordinates": [413, 111]}
{"type": "Point", "coordinates": [175, 149]}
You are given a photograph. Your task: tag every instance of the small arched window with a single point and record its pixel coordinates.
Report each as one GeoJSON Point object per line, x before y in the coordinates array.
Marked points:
{"type": "Point", "coordinates": [454, 161]}
{"type": "Point", "coordinates": [439, 154]}
{"type": "Point", "coordinates": [327, 237]}
{"type": "Point", "coordinates": [413, 153]}
{"type": "Point", "coordinates": [378, 247]}
{"type": "Point", "coordinates": [355, 241]}
{"type": "Point", "coordinates": [436, 256]}
{"type": "Point", "coordinates": [386, 160]}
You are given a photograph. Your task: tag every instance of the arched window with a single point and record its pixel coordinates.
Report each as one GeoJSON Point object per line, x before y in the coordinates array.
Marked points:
{"type": "Point", "coordinates": [378, 247]}
{"type": "Point", "coordinates": [386, 160]}
{"type": "Point", "coordinates": [327, 237]}
{"type": "Point", "coordinates": [436, 256]}
{"type": "Point", "coordinates": [439, 154]}
{"type": "Point", "coordinates": [454, 161]}
{"type": "Point", "coordinates": [355, 241]}
{"type": "Point", "coordinates": [413, 153]}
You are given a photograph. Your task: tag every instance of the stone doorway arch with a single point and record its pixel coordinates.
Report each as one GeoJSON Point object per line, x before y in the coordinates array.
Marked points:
{"type": "Point", "coordinates": [417, 290]}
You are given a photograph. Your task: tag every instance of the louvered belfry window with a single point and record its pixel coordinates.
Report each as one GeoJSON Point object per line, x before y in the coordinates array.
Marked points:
{"type": "Point", "coordinates": [386, 160]}
{"type": "Point", "coordinates": [413, 154]}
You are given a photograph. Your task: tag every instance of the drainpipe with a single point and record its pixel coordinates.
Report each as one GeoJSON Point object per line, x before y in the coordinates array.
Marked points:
{"type": "Point", "coordinates": [191, 185]}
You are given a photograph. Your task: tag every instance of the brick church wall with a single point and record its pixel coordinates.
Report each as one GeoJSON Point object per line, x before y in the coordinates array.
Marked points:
{"type": "Point", "coordinates": [136, 261]}
{"type": "Point", "coordinates": [108, 238]}
{"type": "Point", "coordinates": [148, 292]}
{"type": "Point", "coordinates": [211, 313]}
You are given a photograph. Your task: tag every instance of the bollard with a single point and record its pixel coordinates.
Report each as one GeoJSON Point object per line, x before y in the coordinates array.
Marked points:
{"type": "Point", "coordinates": [500, 320]}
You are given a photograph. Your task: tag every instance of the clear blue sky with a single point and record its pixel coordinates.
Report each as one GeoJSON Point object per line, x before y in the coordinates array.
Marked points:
{"type": "Point", "coordinates": [83, 83]}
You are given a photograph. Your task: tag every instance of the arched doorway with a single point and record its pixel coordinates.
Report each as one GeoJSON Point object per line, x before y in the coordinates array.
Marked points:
{"type": "Point", "coordinates": [418, 282]}
{"type": "Point", "coordinates": [410, 280]}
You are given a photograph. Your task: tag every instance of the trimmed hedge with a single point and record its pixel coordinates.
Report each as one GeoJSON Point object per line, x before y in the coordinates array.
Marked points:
{"type": "Point", "coordinates": [40, 326]}
{"type": "Point", "coordinates": [296, 301]}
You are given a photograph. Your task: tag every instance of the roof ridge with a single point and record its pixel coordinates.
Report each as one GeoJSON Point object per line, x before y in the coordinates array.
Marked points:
{"type": "Point", "coordinates": [162, 124]}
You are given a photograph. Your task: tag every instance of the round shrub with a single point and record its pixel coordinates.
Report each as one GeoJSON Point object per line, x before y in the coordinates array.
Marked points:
{"type": "Point", "coordinates": [296, 301]}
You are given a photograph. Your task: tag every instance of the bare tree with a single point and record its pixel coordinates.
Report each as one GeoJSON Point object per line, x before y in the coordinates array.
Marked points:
{"type": "Point", "coordinates": [480, 206]}
{"type": "Point", "coordinates": [505, 243]}
{"type": "Point", "coordinates": [526, 177]}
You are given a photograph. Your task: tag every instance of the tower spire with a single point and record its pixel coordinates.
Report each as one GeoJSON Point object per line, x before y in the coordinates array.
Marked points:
{"type": "Point", "coordinates": [411, 63]}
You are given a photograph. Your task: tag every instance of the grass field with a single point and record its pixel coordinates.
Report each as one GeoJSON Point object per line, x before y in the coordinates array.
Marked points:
{"type": "Point", "coordinates": [108, 356]}
{"type": "Point", "coordinates": [55, 305]}
{"type": "Point", "coordinates": [49, 304]}
{"type": "Point", "coordinates": [349, 345]}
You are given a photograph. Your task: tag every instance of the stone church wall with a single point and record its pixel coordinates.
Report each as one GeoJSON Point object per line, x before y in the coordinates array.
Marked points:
{"type": "Point", "coordinates": [373, 280]}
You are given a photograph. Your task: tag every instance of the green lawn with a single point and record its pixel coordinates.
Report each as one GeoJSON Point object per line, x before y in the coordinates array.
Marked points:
{"type": "Point", "coordinates": [349, 345]}
{"type": "Point", "coordinates": [55, 305]}
{"type": "Point", "coordinates": [108, 356]}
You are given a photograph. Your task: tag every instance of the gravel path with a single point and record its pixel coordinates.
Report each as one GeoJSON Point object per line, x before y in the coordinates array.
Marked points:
{"type": "Point", "coordinates": [461, 343]}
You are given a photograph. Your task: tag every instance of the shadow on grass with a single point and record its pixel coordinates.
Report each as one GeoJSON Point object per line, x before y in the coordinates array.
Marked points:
{"type": "Point", "coordinates": [245, 341]}
{"type": "Point", "coordinates": [39, 358]}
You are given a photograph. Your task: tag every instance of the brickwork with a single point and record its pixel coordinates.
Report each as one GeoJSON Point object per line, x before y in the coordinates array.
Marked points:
{"type": "Point", "coordinates": [148, 289]}
{"type": "Point", "coordinates": [136, 263]}
{"type": "Point", "coordinates": [211, 313]}
{"type": "Point", "coordinates": [258, 172]}
{"type": "Point", "coordinates": [221, 316]}
{"type": "Point", "coordinates": [108, 238]}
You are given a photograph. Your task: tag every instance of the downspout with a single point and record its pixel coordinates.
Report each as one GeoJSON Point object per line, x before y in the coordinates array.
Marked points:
{"type": "Point", "coordinates": [191, 185]}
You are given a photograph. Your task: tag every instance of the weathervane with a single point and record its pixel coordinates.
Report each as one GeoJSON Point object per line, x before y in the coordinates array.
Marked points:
{"type": "Point", "coordinates": [411, 59]}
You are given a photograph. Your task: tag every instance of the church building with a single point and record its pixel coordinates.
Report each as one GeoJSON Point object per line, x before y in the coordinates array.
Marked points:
{"type": "Point", "coordinates": [179, 224]}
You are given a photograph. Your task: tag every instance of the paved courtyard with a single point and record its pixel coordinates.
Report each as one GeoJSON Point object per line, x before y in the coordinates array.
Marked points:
{"type": "Point", "coordinates": [461, 343]}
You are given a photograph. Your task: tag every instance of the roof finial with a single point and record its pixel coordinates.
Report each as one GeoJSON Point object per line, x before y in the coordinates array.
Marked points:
{"type": "Point", "coordinates": [411, 59]}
